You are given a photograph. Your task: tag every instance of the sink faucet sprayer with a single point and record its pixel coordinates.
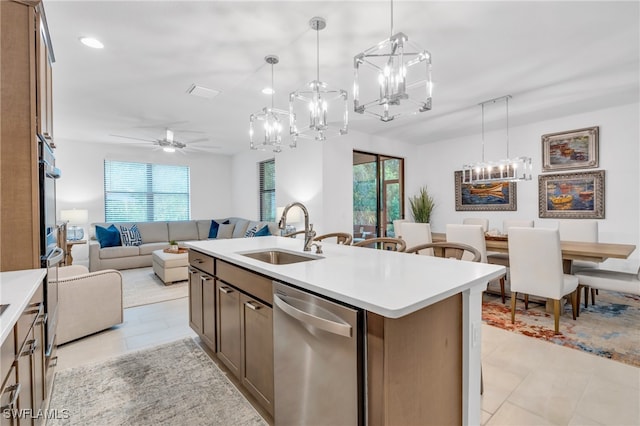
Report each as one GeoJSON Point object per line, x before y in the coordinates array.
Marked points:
{"type": "Point", "coordinates": [309, 233]}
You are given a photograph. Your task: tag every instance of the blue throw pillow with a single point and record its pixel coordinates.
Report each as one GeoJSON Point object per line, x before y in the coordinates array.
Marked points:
{"type": "Point", "coordinates": [108, 237]}
{"type": "Point", "coordinates": [213, 231]}
{"type": "Point", "coordinates": [264, 232]}
{"type": "Point", "coordinates": [130, 236]}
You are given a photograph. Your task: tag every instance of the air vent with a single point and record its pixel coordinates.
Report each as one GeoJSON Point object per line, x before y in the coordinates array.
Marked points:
{"type": "Point", "coordinates": [202, 92]}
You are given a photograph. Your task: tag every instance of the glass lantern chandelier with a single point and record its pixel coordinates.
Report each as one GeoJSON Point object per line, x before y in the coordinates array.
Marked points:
{"type": "Point", "coordinates": [326, 109]}
{"type": "Point", "coordinates": [392, 78]}
{"type": "Point", "coordinates": [509, 169]}
{"type": "Point", "coordinates": [268, 122]}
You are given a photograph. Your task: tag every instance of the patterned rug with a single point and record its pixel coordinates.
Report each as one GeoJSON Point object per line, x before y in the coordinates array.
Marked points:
{"type": "Point", "coordinates": [142, 287]}
{"type": "Point", "coordinates": [610, 328]}
{"type": "Point", "coordinates": [172, 384]}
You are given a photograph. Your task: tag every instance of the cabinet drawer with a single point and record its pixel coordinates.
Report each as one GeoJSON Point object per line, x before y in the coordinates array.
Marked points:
{"type": "Point", "coordinates": [249, 282]}
{"type": "Point", "coordinates": [201, 261]}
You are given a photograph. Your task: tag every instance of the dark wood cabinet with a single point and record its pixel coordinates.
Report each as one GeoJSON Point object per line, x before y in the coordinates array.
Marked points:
{"type": "Point", "coordinates": [195, 300]}
{"type": "Point", "coordinates": [229, 331]}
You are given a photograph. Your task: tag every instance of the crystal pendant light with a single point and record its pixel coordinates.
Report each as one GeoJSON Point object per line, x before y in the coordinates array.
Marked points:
{"type": "Point", "coordinates": [392, 78]}
{"type": "Point", "coordinates": [326, 109]}
{"type": "Point", "coordinates": [509, 169]}
{"type": "Point", "coordinates": [268, 122]}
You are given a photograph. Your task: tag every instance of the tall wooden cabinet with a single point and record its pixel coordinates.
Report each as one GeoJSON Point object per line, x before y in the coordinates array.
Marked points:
{"type": "Point", "coordinates": [25, 111]}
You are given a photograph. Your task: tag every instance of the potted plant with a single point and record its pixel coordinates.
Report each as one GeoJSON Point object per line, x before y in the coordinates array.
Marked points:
{"type": "Point", "coordinates": [173, 246]}
{"type": "Point", "coordinates": [422, 205]}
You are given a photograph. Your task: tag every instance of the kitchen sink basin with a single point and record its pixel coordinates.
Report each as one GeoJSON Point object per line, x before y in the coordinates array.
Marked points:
{"type": "Point", "coordinates": [280, 257]}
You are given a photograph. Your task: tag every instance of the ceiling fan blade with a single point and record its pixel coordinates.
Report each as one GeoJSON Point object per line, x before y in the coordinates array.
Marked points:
{"type": "Point", "coordinates": [196, 140]}
{"type": "Point", "coordinates": [131, 137]}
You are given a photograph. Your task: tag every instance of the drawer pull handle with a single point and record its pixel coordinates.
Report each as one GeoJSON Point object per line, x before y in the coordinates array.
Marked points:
{"type": "Point", "coordinates": [192, 271]}
{"type": "Point", "coordinates": [15, 389]}
{"type": "Point", "coordinates": [226, 290]}
{"type": "Point", "coordinates": [53, 362]}
{"type": "Point", "coordinates": [198, 261]}
{"type": "Point", "coordinates": [252, 306]}
{"type": "Point", "coordinates": [205, 278]}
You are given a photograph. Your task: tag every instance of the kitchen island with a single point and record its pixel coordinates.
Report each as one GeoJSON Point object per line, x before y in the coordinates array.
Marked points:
{"type": "Point", "coordinates": [421, 354]}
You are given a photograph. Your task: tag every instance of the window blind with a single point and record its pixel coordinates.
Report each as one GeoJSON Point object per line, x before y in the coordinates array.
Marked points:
{"type": "Point", "coordinates": [267, 178]}
{"type": "Point", "coordinates": [144, 192]}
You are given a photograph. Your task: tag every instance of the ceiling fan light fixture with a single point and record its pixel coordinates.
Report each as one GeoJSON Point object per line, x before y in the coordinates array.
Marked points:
{"type": "Point", "coordinates": [91, 42]}
{"type": "Point", "coordinates": [268, 91]}
{"type": "Point", "coordinates": [169, 149]}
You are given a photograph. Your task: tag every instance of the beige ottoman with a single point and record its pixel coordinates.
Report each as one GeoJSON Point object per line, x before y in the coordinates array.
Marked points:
{"type": "Point", "coordinates": [170, 267]}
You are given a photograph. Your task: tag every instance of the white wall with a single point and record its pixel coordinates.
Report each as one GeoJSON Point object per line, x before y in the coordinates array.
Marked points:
{"type": "Point", "coordinates": [82, 183]}
{"type": "Point", "coordinates": [619, 156]}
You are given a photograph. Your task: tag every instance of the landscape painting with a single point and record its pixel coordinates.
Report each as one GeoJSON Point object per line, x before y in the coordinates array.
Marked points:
{"type": "Point", "coordinates": [575, 149]}
{"type": "Point", "coordinates": [500, 195]}
{"type": "Point", "coordinates": [572, 195]}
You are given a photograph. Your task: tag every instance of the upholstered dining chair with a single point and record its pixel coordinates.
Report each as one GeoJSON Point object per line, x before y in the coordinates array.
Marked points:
{"type": "Point", "coordinates": [603, 279]}
{"type": "Point", "coordinates": [535, 260]}
{"type": "Point", "coordinates": [341, 237]}
{"type": "Point", "coordinates": [448, 250]}
{"type": "Point", "coordinates": [414, 234]}
{"type": "Point", "coordinates": [384, 243]}
{"type": "Point", "coordinates": [584, 231]}
{"type": "Point", "coordinates": [472, 235]}
{"type": "Point", "coordinates": [477, 221]}
{"type": "Point", "coordinates": [397, 227]}
{"type": "Point", "coordinates": [503, 258]}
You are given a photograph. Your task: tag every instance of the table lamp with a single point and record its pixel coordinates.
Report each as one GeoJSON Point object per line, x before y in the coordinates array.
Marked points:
{"type": "Point", "coordinates": [75, 217]}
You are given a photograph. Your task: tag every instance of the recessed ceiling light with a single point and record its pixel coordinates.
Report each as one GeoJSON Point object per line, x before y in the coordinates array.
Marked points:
{"type": "Point", "coordinates": [268, 91]}
{"type": "Point", "coordinates": [91, 42]}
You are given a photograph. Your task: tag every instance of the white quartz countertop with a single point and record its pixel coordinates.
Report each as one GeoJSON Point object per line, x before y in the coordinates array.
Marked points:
{"type": "Point", "coordinates": [387, 283]}
{"type": "Point", "coordinates": [16, 289]}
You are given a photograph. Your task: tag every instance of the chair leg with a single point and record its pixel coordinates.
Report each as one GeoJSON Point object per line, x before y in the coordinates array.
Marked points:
{"type": "Point", "coordinates": [502, 290]}
{"type": "Point", "coordinates": [513, 306]}
{"type": "Point", "coordinates": [481, 381]}
{"type": "Point", "coordinates": [526, 302]}
{"type": "Point", "coordinates": [578, 291]}
{"type": "Point", "coordinates": [593, 295]}
{"type": "Point", "coordinates": [556, 316]}
{"type": "Point", "coordinates": [575, 303]}
{"type": "Point", "coordinates": [586, 296]}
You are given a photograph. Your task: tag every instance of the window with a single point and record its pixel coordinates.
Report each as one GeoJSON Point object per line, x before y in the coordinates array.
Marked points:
{"type": "Point", "coordinates": [141, 192]}
{"type": "Point", "coordinates": [267, 172]}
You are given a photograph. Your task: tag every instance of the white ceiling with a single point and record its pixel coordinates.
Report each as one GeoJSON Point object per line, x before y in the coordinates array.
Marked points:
{"type": "Point", "coordinates": [555, 57]}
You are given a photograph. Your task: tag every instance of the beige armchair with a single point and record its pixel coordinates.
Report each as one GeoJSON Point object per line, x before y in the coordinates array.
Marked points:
{"type": "Point", "coordinates": [88, 302]}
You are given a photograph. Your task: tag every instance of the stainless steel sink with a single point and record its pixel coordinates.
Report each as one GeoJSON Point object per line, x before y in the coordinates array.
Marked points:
{"type": "Point", "coordinates": [280, 257]}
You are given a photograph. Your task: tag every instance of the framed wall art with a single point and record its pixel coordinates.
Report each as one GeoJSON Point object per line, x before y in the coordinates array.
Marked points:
{"type": "Point", "coordinates": [571, 195]}
{"type": "Point", "coordinates": [575, 149]}
{"type": "Point", "coordinates": [484, 197]}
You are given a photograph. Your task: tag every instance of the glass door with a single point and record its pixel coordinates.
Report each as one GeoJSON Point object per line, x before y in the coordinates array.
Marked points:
{"type": "Point", "coordinates": [378, 194]}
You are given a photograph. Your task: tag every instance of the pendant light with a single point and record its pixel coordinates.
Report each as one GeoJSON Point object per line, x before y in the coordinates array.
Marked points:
{"type": "Point", "coordinates": [392, 78]}
{"type": "Point", "coordinates": [509, 169]}
{"type": "Point", "coordinates": [326, 109]}
{"type": "Point", "coordinates": [268, 122]}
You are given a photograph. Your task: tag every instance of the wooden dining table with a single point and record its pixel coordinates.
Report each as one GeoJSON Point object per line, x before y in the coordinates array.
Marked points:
{"type": "Point", "coordinates": [571, 250]}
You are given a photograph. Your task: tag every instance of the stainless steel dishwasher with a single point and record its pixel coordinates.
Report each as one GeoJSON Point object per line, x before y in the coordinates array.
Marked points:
{"type": "Point", "coordinates": [317, 360]}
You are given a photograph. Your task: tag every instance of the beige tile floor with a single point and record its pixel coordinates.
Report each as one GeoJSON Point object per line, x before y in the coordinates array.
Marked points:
{"type": "Point", "coordinates": [527, 381]}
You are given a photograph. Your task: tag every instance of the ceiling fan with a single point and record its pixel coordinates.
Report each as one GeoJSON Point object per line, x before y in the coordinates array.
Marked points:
{"type": "Point", "coordinates": [168, 143]}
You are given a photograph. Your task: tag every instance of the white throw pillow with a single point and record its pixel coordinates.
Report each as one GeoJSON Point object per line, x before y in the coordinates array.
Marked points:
{"type": "Point", "coordinates": [225, 230]}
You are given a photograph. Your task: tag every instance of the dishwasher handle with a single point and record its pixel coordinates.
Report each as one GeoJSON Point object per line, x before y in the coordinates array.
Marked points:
{"type": "Point", "coordinates": [321, 323]}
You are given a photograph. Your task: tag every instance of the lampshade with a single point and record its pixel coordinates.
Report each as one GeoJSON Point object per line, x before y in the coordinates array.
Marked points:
{"type": "Point", "coordinates": [75, 216]}
{"type": "Point", "coordinates": [293, 215]}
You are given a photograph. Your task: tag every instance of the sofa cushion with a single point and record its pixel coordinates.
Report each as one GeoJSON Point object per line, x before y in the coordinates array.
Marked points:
{"type": "Point", "coordinates": [186, 230]}
{"type": "Point", "coordinates": [130, 236]}
{"type": "Point", "coordinates": [149, 248]}
{"type": "Point", "coordinates": [108, 237]}
{"type": "Point", "coordinates": [240, 228]}
{"type": "Point", "coordinates": [213, 227]}
{"type": "Point", "coordinates": [120, 251]}
{"type": "Point", "coordinates": [225, 230]}
{"type": "Point", "coordinates": [154, 232]}
{"type": "Point", "coordinates": [203, 228]}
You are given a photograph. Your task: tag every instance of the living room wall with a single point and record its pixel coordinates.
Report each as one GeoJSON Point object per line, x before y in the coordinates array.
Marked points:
{"type": "Point", "coordinates": [82, 183]}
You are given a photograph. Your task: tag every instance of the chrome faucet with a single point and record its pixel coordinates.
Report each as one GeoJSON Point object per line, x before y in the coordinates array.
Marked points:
{"type": "Point", "coordinates": [309, 233]}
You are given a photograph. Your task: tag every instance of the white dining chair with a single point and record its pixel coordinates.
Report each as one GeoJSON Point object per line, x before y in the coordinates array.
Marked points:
{"type": "Point", "coordinates": [520, 223]}
{"type": "Point", "coordinates": [477, 221]}
{"type": "Point", "coordinates": [579, 230]}
{"type": "Point", "coordinates": [535, 259]}
{"type": "Point", "coordinates": [397, 227]}
{"type": "Point", "coordinates": [603, 279]}
{"type": "Point", "coordinates": [415, 234]}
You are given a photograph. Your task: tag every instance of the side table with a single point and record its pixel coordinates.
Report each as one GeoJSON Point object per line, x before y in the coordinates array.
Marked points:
{"type": "Point", "coordinates": [70, 244]}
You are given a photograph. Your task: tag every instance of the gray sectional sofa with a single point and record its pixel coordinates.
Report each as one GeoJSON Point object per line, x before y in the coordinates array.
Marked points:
{"type": "Point", "coordinates": [156, 236]}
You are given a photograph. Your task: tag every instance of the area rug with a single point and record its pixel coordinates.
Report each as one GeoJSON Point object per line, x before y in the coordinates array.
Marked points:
{"type": "Point", "coordinates": [142, 287]}
{"type": "Point", "coordinates": [610, 328]}
{"type": "Point", "coordinates": [172, 384]}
